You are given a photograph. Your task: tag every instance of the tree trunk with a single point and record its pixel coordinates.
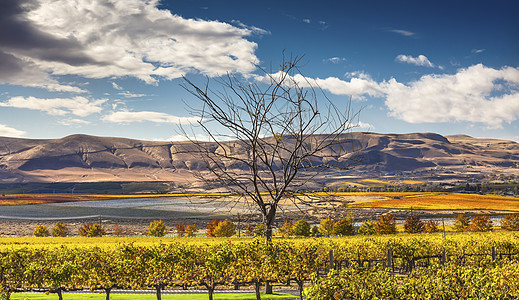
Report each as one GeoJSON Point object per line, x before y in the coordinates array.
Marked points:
{"type": "Point", "coordinates": [60, 296]}
{"type": "Point", "coordinates": [257, 286]}
{"type": "Point", "coordinates": [300, 285]}
{"type": "Point", "coordinates": [158, 289]}
{"type": "Point", "coordinates": [107, 291]}
{"type": "Point", "coordinates": [268, 288]}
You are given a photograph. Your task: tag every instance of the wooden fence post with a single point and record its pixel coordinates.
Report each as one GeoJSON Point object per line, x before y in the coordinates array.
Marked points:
{"type": "Point", "coordinates": [389, 258]}
{"type": "Point", "coordinates": [331, 262]}
{"type": "Point", "coordinates": [493, 253]}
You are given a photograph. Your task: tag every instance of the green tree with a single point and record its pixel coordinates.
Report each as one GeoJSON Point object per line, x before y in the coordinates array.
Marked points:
{"type": "Point", "coordinates": [413, 224]}
{"type": "Point", "coordinates": [461, 223]}
{"type": "Point", "coordinates": [91, 230]}
{"type": "Point", "coordinates": [367, 227]}
{"type": "Point", "coordinates": [259, 230]}
{"type": "Point", "coordinates": [301, 228]}
{"type": "Point", "coordinates": [157, 228]}
{"type": "Point", "coordinates": [385, 224]}
{"type": "Point", "coordinates": [344, 227]}
{"type": "Point", "coordinates": [59, 230]}
{"type": "Point", "coordinates": [326, 227]}
{"type": "Point", "coordinates": [225, 229]}
{"type": "Point", "coordinates": [41, 231]}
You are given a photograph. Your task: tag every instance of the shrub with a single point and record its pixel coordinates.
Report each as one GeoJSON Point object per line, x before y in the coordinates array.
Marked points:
{"type": "Point", "coordinates": [385, 224]}
{"type": "Point", "coordinates": [431, 226]}
{"type": "Point", "coordinates": [118, 231]}
{"type": "Point", "coordinates": [510, 222]}
{"type": "Point", "coordinates": [225, 229]}
{"type": "Point", "coordinates": [60, 230]}
{"type": "Point", "coordinates": [344, 227]}
{"type": "Point", "coordinates": [301, 228]}
{"type": "Point", "coordinates": [157, 228]}
{"type": "Point", "coordinates": [211, 226]}
{"type": "Point", "coordinates": [326, 227]}
{"type": "Point", "coordinates": [286, 229]}
{"type": "Point", "coordinates": [181, 230]}
{"type": "Point", "coordinates": [461, 223]}
{"type": "Point", "coordinates": [413, 224]}
{"type": "Point", "coordinates": [249, 230]}
{"type": "Point", "coordinates": [260, 230]}
{"type": "Point", "coordinates": [91, 230]}
{"type": "Point", "coordinates": [41, 231]}
{"type": "Point", "coordinates": [480, 224]}
{"type": "Point", "coordinates": [367, 227]}
{"type": "Point", "coordinates": [191, 230]}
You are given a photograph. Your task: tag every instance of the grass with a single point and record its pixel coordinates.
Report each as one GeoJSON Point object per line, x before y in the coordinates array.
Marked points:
{"type": "Point", "coordinates": [92, 296]}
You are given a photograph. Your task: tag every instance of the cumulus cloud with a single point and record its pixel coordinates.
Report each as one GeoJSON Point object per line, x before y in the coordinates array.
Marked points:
{"type": "Point", "coordinates": [111, 38]}
{"type": "Point", "coordinates": [420, 60]}
{"type": "Point", "coordinates": [476, 94]}
{"type": "Point", "coordinates": [146, 116]}
{"type": "Point", "coordinates": [79, 106]}
{"type": "Point", "coordinates": [11, 132]}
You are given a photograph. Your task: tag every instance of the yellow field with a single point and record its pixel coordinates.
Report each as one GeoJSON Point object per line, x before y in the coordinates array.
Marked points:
{"type": "Point", "coordinates": [444, 201]}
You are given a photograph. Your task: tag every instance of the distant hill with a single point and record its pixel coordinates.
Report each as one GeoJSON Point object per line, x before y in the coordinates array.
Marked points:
{"type": "Point", "coordinates": [84, 158]}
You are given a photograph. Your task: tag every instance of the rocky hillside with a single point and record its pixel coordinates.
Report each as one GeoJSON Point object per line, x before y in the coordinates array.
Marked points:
{"type": "Point", "coordinates": [80, 158]}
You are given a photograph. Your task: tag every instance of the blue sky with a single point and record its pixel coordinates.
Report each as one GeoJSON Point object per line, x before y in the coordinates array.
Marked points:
{"type": "Point", "coordinates": [114, 67]}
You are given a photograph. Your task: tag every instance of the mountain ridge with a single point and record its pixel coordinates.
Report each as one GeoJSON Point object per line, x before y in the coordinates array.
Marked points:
{"type": "Point", "coordinates": [80, 157]}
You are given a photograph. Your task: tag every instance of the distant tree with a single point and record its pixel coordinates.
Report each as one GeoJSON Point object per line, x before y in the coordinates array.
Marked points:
{"type": "Point", "coordinates": [385, 224]}
{"type": "Point", "coordinates": [91, 230]}
{"type": "Point", "coordinates": [211, 227]}
{"type": "Point", "coordinates": [59, 230]}
{"type": "Point", "coordinates": [181, 230]}
{"type": "Point", "coordinates": [191, 230]}
{"type": "Point", "coordinates": [431, 226]}
{"type": "Point", "coordinates": [367, 227]}
{"type": "Point", "coordinates": [344, 227]}
{"type": "Point", "coordinates": [119, 231]}
{"type": "Point", "coordinates": [326, 227]}
{"type": "Point", "coordinates": [461, 223]}
{"type": "Point", "coordinates": [157, 228]}
{"type": "Point", "coordinates": [314, 230]}
{"type": "Point", "coordinates": [413, 224]}
{"type": "Point", "coordinates": [510, 222]}
{"type": "Point", "coordinates": [286, 229]}
{"type": "Point", "coordinates": [249, 230]}
{"type": "Point", "coordinates": [225, 229]}
{"type": "Point", "coordinates": [259, 230]}
{"type": "Point", "coordinates": [480, 224]}
{"type": "Point", "coordinates": [301, 228]}
{"type": "Point", "coordinates": [41, 231]}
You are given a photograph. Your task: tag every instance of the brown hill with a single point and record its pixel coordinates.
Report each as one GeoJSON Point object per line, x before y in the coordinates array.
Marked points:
{"type": "Point", "coordinates": [83, 158]}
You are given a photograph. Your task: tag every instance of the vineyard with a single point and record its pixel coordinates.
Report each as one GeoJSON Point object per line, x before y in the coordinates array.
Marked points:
{"type": "Point", "coordinates": [426, 266]}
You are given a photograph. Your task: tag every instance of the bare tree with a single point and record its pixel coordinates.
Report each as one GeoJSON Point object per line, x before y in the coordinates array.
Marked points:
{"type": "Point", "coordinates": [269, 136]}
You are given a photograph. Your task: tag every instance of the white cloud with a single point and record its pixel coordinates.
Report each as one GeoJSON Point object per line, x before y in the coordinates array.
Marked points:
{"type": "Point", "coordinates": [477, 51]}
{"type": "Point", "coordinates": [11, 132]}
{"type": "Point", "coordinates": [148, 116]}
{"type": "Point", "coordinates": [363, 125]}
{"type": "Point", "coordinates": [420, 60]}
{"type": "Point", "coordinates": [335, 60]}
{"type": "Point", "coordinates": [477, 94]}
{"type": "Point", "coordinates": [79, 106]}
{"type": "Point", "coordinates": [112, 38]}
{"type": "Point", "coordinates": [70, 122]}
{"type": "Point", "coordinates": [131, 95]}
{"type": "Point", "coordinates": [116, 86]}
{"type": "Point", "coordinates": [403, 32]}
{"type": "Point", "coordinates": [307, 21]}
